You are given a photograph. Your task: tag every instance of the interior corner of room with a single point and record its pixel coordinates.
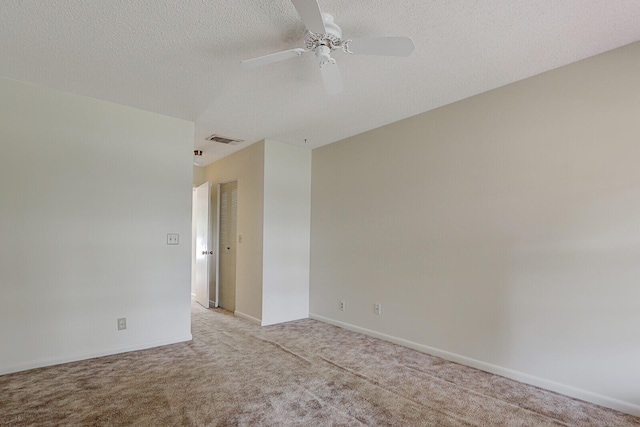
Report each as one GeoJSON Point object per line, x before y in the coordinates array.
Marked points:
{"type": "Point", "coordinates": [500, 231]}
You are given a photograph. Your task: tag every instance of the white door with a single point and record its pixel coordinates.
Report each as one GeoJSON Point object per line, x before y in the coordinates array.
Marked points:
{"type": "Point", "coordinates": [227, 245]}
{"type": "Point", "coordinates": [204, 249]}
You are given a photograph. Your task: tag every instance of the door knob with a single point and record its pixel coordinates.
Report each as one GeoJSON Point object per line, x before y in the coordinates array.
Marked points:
{"type": "Point", "coordinates": [210, 252]}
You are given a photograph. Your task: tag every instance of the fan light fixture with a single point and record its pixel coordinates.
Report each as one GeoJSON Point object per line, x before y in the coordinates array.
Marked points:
{"type": "Point", "coordinates": [197, 157]}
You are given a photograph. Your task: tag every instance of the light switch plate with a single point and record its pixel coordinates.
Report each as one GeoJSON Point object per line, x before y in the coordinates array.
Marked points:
{"type": "Point", "coordinates": [173, 239]}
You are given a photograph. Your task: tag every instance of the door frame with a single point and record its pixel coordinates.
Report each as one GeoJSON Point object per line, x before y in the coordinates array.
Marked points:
{"type": "Point", "coordinates": [217, 240]}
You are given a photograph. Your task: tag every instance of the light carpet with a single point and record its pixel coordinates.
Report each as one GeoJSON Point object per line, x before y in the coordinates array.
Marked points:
{"type": "Point", "coordinates": [302, 373]}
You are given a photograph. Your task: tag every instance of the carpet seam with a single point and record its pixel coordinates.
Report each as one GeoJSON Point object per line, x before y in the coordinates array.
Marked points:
{"type": "Point", "coordinates": [377, 384]}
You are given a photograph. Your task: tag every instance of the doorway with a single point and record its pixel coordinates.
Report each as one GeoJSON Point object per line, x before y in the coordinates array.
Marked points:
{"type": "Point", "coordinates": [227, 239]}
{"type": "Point", "coordinates": [201, 243]}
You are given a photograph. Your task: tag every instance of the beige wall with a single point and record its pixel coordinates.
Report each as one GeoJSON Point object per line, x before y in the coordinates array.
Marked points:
{"type": "Point", "coordinates": [198, 175]}
{"type": "Point", "coordinates": [88, 192]}
{"type": "Point", "coordinates": [502, 231]}
{"type": "Point", "coordinates": [247, 168]}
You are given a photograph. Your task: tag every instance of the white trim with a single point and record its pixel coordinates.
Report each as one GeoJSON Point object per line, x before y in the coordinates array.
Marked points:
{"type": "Point", "coordinates": [567, 390]}
{"type": "Point", "coordinates": [247, 317]}
{"type": "Point", "coordinates": [85, 356]}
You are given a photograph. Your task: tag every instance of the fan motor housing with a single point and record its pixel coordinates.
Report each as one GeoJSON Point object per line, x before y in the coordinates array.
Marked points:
{"type": "Point", "coordinates": [332, 38]}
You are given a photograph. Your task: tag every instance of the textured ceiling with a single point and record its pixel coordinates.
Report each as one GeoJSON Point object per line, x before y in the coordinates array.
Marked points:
{"type": "Point", "coordinates": [181, 57]}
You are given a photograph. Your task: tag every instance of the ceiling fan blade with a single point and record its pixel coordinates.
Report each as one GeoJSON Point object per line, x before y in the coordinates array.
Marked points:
{"type": "Point", "coordinates": [310, 14]}
{"type": "Point", "coordinates": [273, 57]}
{"type": "Point", "coordinates": [384, 46]}
{"type": "Point", "coordinates": [332, 78]}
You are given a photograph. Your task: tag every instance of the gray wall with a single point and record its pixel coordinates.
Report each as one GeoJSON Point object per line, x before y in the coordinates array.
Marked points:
{"type": "Point", "coordinates": [88, 192]}
{"type": "Point", "coordinates": [287, 207]}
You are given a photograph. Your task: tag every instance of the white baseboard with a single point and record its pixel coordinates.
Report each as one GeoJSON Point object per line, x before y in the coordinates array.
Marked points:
{"type": "Point", "coordinates": [85, 356]}
{"type": "Point", "coordinates": [567, 390]}
{"type": "Point", "coordinates": [247, 317]}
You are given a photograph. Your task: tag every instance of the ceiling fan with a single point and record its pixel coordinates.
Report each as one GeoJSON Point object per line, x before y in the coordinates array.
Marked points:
{"type": "Point", "coordinates": [323, 36]}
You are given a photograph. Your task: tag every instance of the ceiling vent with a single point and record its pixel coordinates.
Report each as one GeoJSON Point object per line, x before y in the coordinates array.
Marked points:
{"type": "Point", "coordinates": [223, 140]}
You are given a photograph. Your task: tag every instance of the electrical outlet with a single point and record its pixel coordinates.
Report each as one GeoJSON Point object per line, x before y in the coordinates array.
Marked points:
{"type": "Point", "coordinates": [342, 306]}
{"type": "Point", "coordinates": [377, 308]}
{"type": "Point", "coordinates": [122, 323]}
{"type": "Point", "coordinates": [173, 239]}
